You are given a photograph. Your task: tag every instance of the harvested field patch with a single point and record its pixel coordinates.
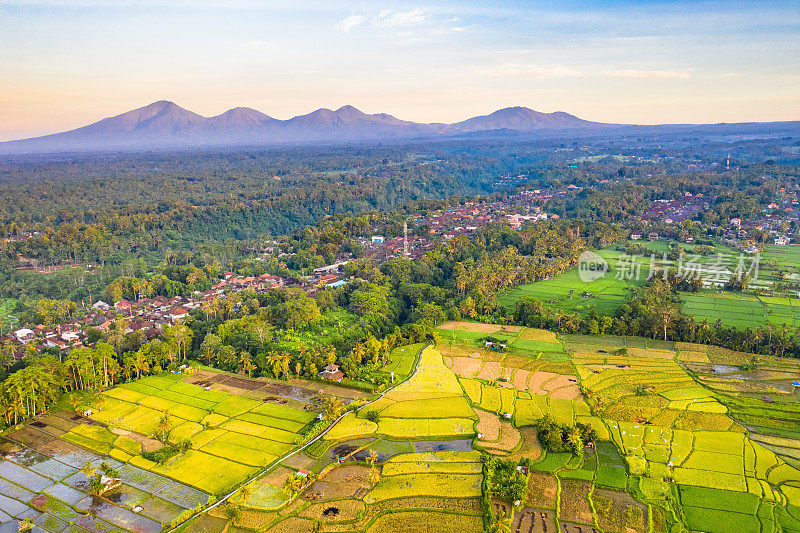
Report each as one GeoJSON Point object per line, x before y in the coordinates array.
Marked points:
{"type": "Point", "coordinates": [465, 367]}
{"type": "Point", "coordinates": [619, 512]}
{"type": "Point", "coordinates": [520, 379]}
{"type": "Point", "coordinates": [530, 448]}
{"type": "Point", "coordinates": [470, 326]}
{"type": "Point", "coordinates": [334, 511]}
{"type": "Point", "coordinates": [537, 380]}
{"type": "Point", "coordinates": [488, 426]}
{"type": "Point", "coordinates": [344, 481]}
{"type": "Point", "coordinates": [490, 371]}
{"type": "Point", "coordinates": [509, 439]}
{"type": "Point", "coordinates": [574, 505]}
{"type": "Point", "coordinates": [425, 522]}
{"type": "Point", "coordinates": [542, 335]}
{"type": "Point", "coordinates": [542, 489]}
{"type": "Point", "coordinates": [687, 356]}
{"type": "Point", "coordinates": [559, 381]}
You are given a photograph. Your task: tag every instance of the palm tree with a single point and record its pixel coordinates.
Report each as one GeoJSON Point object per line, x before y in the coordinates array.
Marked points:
{"type": "Point", "coordinates": [285, 369]}
{"type": "Point", "coordinates": [140, 363]}
{"type": "Point", "coordinates": [87, 470]}
{"type": "Point", "coordinates": [292, 486]}
{"type": "Point", "coordinates": [501, 523]}
{"type": "Point", "coordinates": [333, 407]}
{"type": "Point", "coordinates": [247, 364]}
{"type": "Point", "coordinates": [163, 427]}
{"type": "Point", "coordinates": [246, 493]}
{"type": "Point", "coordinates": [374, 476]}
{"type": "Point", "coordinates": [575, 441]}
{"type": "Point", "coordinates": [233, 513]}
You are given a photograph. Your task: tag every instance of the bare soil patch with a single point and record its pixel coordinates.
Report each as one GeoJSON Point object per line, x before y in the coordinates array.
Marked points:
{"type": "Point", "coordinates": [490, 371]}
{"type": "Point", "coordinates": [537, 379]}
{"type": "Point", "coordinates": [520, 379]}
{"type": "Point", "coordinates": [148, 444]}
{"type": "Point", "coordinates": [470, 326]}
{"type": "Point", "coordinates": [575, 502]}
{"type": "Point", "coordinates": [573, 392]}
{"type": "Point", "coordinates": [466, 367]}
{"type": "Point", "coordinates": [488, 426]}
{"type": "Point", "coordinates": [542, 489]}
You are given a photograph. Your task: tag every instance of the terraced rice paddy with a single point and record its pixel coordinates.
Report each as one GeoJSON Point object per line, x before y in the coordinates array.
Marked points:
{"type": "Point", "coordinates": [673, 434]}
{"type": "Point", "coordinates": [42, 478]}
{"type": "Point", "coordinates": [231, 436]}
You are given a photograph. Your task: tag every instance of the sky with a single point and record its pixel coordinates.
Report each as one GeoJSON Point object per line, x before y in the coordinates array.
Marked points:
{"type": "Point", "coordinates": [64, 64]}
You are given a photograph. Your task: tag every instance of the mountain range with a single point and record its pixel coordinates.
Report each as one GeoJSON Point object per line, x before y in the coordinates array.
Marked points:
{"type": "Point", "coordinates": [165, 125]}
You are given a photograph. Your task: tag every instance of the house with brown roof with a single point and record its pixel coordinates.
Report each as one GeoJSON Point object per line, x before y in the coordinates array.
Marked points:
{"type": "Point", "coordinates": [332, 372]}
{"type": "Point", "coordinates": [178, 313]}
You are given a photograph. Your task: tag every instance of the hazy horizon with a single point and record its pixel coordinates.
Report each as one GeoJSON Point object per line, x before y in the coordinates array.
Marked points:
{"type": "Point", "coordinates": [65, 64]}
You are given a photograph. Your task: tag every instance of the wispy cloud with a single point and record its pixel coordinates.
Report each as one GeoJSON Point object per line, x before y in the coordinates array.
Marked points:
{"type": "Point", "coordinates": [533, 71]}
{"type": "Point", "coordinates": [391, 18]}
{"type": "Point", "coordinates": [351, 22]}
{"type": "Point", "coordinates": [410, 26]}
{"type": "Point", "coordinates": [388, 18]}
{"type": "Point", "coordinates": [646, 74]}
{"type": "Point", "coordinates": [257, 45]}
{"type": "Point", "coordinates": [563, 71]}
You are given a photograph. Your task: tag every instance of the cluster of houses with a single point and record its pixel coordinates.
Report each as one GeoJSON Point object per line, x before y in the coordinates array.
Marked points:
{"type": "Point", "coordinates": [462, 220]}
{"type": "Point", "coordinates": [676, 211]}
{"type": "Point", "coordinates": [150, 315]}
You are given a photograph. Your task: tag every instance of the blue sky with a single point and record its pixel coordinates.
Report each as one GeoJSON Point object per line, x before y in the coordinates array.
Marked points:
{"type": "Point", "coordinates": [66, 63]}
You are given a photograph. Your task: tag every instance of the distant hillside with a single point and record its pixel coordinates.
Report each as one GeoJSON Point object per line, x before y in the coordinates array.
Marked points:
{"type": "Point", "coordinates": [165, 125]}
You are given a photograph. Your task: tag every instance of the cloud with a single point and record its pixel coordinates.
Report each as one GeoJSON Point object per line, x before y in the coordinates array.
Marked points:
{"type": "Point", "coordinates": [351, 22]}
{"type": "Point", "coordinates": [257, 44]}
{"type": "Point", "coordinates": [402, 23]}
{"type": "Point", "coordinates": [391, 18]}
{"type": "Point", "coordinates": [534, 71]}
{"type": "Point", "coordinates": [645, 74]}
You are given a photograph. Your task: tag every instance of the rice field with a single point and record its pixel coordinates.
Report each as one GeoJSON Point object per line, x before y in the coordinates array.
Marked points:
{"type": "Point", "coordinates": [43, 478]}
{"type": "Point", "coordinates": [572, 295]}
{"type": "Point", "coordinates": [667, 439]}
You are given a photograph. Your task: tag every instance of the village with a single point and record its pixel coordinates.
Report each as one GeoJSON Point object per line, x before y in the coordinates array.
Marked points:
{"type": "Point", "coordinates": [663, 220]}
{"type": "Point", "coordinates": [150, 315]}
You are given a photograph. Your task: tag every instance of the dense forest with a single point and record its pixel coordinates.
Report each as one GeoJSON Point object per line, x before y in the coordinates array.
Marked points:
{"type": "Point", "coordinates": [125, 227]}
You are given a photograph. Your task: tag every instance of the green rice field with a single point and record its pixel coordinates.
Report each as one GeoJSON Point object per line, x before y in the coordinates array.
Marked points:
{"type": "Point", "coordinates": [572, 295]}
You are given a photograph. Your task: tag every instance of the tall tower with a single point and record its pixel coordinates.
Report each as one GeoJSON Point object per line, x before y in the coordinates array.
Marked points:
{"type": "Point", "coordinates": [405, 238]}
{"type": "Point", "coordinates": [728, 163]}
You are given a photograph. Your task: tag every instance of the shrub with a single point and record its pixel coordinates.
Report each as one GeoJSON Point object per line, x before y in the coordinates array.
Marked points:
{"type": "Point", "coordinates": [167, 452]}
